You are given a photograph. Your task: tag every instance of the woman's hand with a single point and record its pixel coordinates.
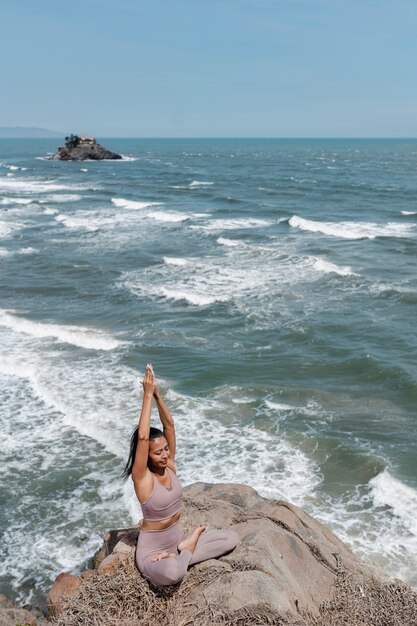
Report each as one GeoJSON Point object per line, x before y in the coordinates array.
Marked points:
{"type": "Point", "coordinates": [149, 381]}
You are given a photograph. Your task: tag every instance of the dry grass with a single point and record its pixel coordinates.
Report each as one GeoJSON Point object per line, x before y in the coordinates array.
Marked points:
{"type": "Point", "coordinates": [127, 599]}
{"type": "Point", "coordinates": [363, 602]}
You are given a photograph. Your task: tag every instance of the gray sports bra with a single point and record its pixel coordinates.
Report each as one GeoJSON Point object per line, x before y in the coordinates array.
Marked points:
{"type": "Point", "coordinates": [163, 502]}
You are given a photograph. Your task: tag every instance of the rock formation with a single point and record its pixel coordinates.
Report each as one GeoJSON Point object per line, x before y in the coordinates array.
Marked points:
{"type": "Point", "coordinates": [288, 570]}
{"type": "Point", "coordinates": [82, 149]}
{"type": "Point", "coordinates": [13, 615]}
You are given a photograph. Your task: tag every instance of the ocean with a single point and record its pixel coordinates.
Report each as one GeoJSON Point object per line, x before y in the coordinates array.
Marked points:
{"type": "Point", "coordinates": [272, 284]}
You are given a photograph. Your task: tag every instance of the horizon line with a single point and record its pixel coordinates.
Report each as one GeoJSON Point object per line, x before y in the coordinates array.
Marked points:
{"type": "Point", "coordinates": [329, 137]}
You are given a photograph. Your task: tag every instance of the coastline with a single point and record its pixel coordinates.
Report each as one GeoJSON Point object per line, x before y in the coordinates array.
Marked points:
{"type": "Point", "coordinates": [287, 567]}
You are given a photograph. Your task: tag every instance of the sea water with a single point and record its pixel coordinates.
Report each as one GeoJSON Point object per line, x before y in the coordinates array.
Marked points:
{"type": "Point", "coordinates": [273, 285]}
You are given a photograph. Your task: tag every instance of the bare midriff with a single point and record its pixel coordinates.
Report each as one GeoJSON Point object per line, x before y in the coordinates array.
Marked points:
{"type": "Point", "coordinates": [148, 524]}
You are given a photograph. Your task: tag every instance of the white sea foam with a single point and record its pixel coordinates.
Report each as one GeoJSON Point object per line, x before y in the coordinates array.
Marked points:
{"type": "Point", "coordinates": [402, 499]}
{"type": "Point", "coordinates": [28, 250]}
{"type": "Point", "coordinates": [352, 230]}
{"type": "Point", "coordinates": [33, 186]}
{"type": "Point", "coordinates": [16, 367]}
{"type": "Point", "coordinates": [192, 297]}
{"type": "Point", "coordinates": [199, 183]}
{"type": "Point", "coordinates": [253, 277]}
{"type": "Point", "coordinates": [285, 470]}
{"type": "Point", "coordinates": [62, 197]}
{"type": "Point", "coordinates": [75, 335]}
{"type": "Point", "coordinates": [4, 252]}
{"type": "Point", "coordinates": [168, 216]}
{"type": "Point", "coordinates": [408, 212]}
{"type": "Point", "coordinates": [133, 204]}
{"type": "Point", "coordinates": [378, 521]}
{"type": "Point", "coordinates": [170, 260]}
{"type": "Point", "coordinates": [232, 224]}
{"type": "Point", "coordinates": [50, 211]}
{"type": "Point", "coordinates": [126, 157]}
{"type": "Point", "coordinates": [7, 228]}
{"type": "Point", "coordinates": [278, 406]}
{"type": "Point", "coordinates": [229, 243]}
{"type": "Point", "coordinates": [16, 201]}
{"type": "Point", "coordinates": [78, 223]}
{"type": "Point", "coordinates": [331, 268]}
{"type": "Point", "coordinates": [83, 169]}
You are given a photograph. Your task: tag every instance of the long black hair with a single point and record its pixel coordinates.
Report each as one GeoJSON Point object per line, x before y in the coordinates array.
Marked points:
{"type": "Point", "coordinates": [154, 433]}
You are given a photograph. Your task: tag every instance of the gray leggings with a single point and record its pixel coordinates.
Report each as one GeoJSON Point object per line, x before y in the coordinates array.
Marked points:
{"type": "Point", "coordinates": [169, 571]}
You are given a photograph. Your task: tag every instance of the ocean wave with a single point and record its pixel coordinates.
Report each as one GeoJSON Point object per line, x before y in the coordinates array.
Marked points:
{"type": "Point", "coordinates": [193, 298]}
{"type": "Point", "coordinates": [285, 470]}
{"type": "Point", "coordinates": [378, 521]}
{"type": "Point", "coordinates": [408, 212]}
{"type": "Point", "coordinates": [169, 260]}
{"type": "Point", "coordinates": [7, 228]}
{"type": "Point", "coordinates": [278, 406]}
{"type": "Point", "coordinates": [168, 216]}
{"type": "Point", "coordinates": [232, 224]}
{"type": "Point", "coordinates": [229, 243]}
{"type": "Point", "coordinates": [13, 168]}
{"type": "Point", "coordinates": [133, 204]}
{"type": "Point", "coordinates": [253, 277]}
{"type": "Point", "coordinates": [402, 499]}
{"type": "Point", "coordinates": [352, 230]}
{"type": "Point", "coordinates": [24, 201]}
{"type": "Point", "coordinates": [76, 223]}
{"type": "Point", "coordinates": [5, 253]}
{"type": "Point", "coordinates": [33, 186]}
{"type": "Point", "coordinates": [62, 197]}
{"type": "Point", "coordinates": [76, 335]}
{"type": "Point", "coordinates": [200, 183]}
{"type": "Point", "coordinates": [331, 268]}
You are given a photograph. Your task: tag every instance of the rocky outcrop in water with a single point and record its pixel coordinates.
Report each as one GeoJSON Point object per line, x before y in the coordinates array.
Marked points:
{"type": "Point", "coordinates": [288, 570]}
{"type": "Point", "coordinates": [78, 149]}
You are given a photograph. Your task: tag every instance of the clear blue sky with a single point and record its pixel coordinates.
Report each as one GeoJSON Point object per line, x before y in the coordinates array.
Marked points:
{"type": "Point", "coordinates": [211, 68]}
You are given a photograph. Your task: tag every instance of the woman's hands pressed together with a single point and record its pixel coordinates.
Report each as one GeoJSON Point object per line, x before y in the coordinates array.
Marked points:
{"type": "Point", "coordinates": [149, 381]}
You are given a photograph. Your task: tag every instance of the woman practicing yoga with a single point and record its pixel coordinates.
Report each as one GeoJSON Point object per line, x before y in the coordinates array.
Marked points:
{"type": "Point", "coordinates": [162, 554]}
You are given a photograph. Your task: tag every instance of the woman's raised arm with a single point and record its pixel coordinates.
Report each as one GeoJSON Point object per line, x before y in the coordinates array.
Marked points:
{"type": "Point", "coordinates": [167, 423]}
{"type": "Point", "coordinates": [140, 465]}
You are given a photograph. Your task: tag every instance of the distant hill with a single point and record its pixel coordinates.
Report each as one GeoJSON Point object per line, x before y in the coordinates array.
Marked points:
{"type": "Point", "coordinates": [27, 132]}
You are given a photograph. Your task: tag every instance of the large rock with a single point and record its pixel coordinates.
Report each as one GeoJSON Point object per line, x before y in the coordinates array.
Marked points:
{"type": "Point", "coordinates": [64, 587]}
{"type": "Point", "coordinates": [288, 569]}
{"type": "Point", "coordinates": [12, 614]}
{"type": "Point", "coordinates": [83, 152]}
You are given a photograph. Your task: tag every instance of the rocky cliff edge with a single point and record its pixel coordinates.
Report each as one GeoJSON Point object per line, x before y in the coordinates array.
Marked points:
{"type": "Point", "coordinates": [288, 570]}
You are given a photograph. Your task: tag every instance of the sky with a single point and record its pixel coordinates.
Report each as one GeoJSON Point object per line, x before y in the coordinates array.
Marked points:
{"type": "Point", "coordinates": [210, 68]}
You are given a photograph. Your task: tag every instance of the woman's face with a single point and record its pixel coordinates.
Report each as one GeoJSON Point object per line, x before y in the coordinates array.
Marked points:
{"type": "Point", "coordinates": [158, 453]}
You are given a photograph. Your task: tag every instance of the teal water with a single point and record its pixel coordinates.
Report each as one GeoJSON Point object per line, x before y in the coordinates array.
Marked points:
{"type": "Point", "coordinates": [273, 285]}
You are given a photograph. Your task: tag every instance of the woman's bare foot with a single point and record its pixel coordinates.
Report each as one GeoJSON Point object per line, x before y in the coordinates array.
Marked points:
{"type": "Point", "coordinates": [164, 555]}
{"type": "Point", "coordinates": [190, 542]}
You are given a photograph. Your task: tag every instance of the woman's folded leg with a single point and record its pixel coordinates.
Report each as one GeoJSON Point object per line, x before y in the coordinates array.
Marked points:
{"type": "Point", "coordinates": [213, 544]}
{"type": "Point", "coordinates": [166, 571]}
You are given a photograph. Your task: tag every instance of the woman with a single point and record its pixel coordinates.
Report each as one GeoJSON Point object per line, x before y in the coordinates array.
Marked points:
{"type": "Point", "coordinates": [162, 555]}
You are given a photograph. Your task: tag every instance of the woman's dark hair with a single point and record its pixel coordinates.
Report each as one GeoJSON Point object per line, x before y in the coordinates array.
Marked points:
{"type": "Point", "coordinates": [154, 433]}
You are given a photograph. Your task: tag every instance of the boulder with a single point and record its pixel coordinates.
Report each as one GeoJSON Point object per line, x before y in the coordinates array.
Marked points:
{"type": "Point", "coordinates": [112, 562]}
{"type": "Point", "coordinates": [12, 614]}
{"type": "Point", "coordinates": [83, 152]}
{"type": "Point", "coordinates": [65, 586]}
{"type": "Point", "coordinates": [288, 570]}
